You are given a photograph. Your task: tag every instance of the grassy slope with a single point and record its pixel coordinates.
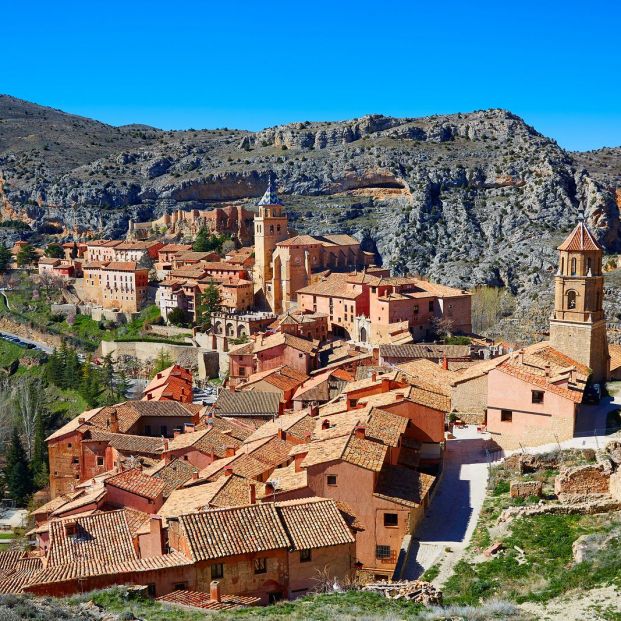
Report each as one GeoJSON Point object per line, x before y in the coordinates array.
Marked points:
{"type": "Point", "coordinates": [546, 540]}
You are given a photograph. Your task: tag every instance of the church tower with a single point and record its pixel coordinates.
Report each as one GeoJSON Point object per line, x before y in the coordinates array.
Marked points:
{"type": "Point", "coordinates": [578, 326]}
{"type": "Point", "coordinates": [270, 227]}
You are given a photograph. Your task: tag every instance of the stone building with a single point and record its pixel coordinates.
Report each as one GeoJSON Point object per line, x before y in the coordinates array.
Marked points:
{"type": "Point", "coordinates": [120, 286]}
{"type": "Point", "coordinates": [285, 264]}
{"type": "Point", "coordinates": [578, 325]}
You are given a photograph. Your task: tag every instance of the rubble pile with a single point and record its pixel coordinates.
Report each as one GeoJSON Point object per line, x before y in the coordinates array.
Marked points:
{"type": "Point", "coordinates": [417, 591]}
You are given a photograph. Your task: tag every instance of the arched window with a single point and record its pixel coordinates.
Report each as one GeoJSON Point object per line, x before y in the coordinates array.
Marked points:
{"type": "Point", "coordinates": [573, 267]}
{"type": "Point", "coordinates": [363, 335]}
{"type": "Point", "coordinates": [230, 329]}
{"type": "Point", "coordinates": [588, 265]}
{"type": "Point", "coordinates": [571, 299]}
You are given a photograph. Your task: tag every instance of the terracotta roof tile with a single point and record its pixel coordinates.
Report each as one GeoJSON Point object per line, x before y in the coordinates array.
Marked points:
{"type": "Point", "coordinates": [219, 533]}
{"type": "Point", "coordinates": [314, 523]}
{"type": "Point", "coordinates": [580, 239]}
{"type": "Point", "coordinates": [247, 403]}
{"type": "Point", "coordinates": [175, 474]}
{"type": "Point", "coordinates": [137, 482]}
{"type": "Point", "coordinates": [198, 599]}
{"type": "Point", "coordinates": [403, 485]}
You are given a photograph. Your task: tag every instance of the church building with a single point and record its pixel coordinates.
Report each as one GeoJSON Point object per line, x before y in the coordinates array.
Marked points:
{"type": "Point", "coordinates": [578, 326]}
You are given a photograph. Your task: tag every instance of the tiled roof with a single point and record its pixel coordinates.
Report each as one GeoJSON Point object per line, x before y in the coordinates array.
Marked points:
{"type": "Point", "coordinates": [615, 356]}
{"type": "Point", "coordinates": [198, 599]}
{"type": "Point", "coordinates": [314, 523]}
{"type": "Point", "coordinates": [424, 350]}
{"type": "Point", "coordinates": [137, 482]}
{"type": "Point", "coordinates": [368, 382]}
{"type": "Point", "coordinates": [175, 248]}
{"type": "Point", "coordinates": [429, 398]}
{"type": "Point", "coordinates": [580, 239]}
{"type": "Point", "coordinates": [403, 485]}
{"type": "Point", "coordinates": [283, 378]}
{"type": "Point", "coordinates": [342, 240]}
{"type": "Point", "coordinates": [295, 423]}
{"type": "Point", "coordinates": [241, 464]}
{"type": "Point", "coordinates": [300, 240]}
{"type": "Point", "coordinates": [101, 537]}
{"type": "Point", "coordinates": [247, 403]}
{"type": "Point", "coordinates": [335, 285]}
{"type": "Point", "coordinates": [262, 343]}
{"type": "Point", "coordinates": [124, 266]}
{"type": "Point", "coordinates": [129, 412]}
{"type": "Point", "coordinates": [127, 443]}
{"type": "Point", "coordinates": [385, 426]}
{"type": "Point", "coordinates": [73, 424]}
{"type": "Point", "coordinates": [287, 479]}
{"type": "Point", "coordinates": [357, 451]}
{"type": "Point", "coordinates": [271, 451]}
{"type": "Point", "coordinates": [90, 496]}
{"type": "Point", "coordinates": [80, 569]}
{"type": "Point", "coordinates": [270, 197]}
{"type": "Point", "coordinates": [219, 533]}
{"type": "Point", "coordinates": [175, 474]}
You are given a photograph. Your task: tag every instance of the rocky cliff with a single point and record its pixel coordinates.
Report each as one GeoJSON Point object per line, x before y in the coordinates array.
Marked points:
{"type": "Point", "coordinates": [465, 198]}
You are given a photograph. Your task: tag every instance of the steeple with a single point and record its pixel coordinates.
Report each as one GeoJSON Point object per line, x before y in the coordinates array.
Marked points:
{"type": "Point", "coordinates": [579, 240]}
{"type": "Point", "coordinates": [270, 197]}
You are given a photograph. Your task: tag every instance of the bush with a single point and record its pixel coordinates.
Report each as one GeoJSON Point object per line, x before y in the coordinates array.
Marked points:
{"type": "Point", "coordinates": [177, 317]}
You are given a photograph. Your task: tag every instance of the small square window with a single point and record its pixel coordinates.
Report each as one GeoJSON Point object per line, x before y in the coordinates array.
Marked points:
{"type": "Point", "coordinates": [382, 552]}
{"type": "Point", "coordinates": [305, 556]}
{"type": "Point", "coordinates": [100, 461]}
{"type": "Point", "coordinates": [430, 307]}
{"type": "Point", "coordinates": [331, 479]}
{"type": "Point", "coordinates": [506, 415]}
{"type": "Point", "coordinates": [538, 396]}
{"type": "Point", "coordinates": [217, 571]}
{"type": "Point", "coordinates": [391, 519]}
{"type": "Point", "coordinates": [260, 565]}
{"type": "Point", "coordinates": [180, 586]}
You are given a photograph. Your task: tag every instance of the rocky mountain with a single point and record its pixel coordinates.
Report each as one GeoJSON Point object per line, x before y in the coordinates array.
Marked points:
{"type": "Point", "coordinates": [465, 198]}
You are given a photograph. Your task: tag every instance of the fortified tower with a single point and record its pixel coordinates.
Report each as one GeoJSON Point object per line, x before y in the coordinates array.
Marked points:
{"type": "Point", "coordinates": [578, 326]}
{"type": "Point", "coordinates": [270, 227]}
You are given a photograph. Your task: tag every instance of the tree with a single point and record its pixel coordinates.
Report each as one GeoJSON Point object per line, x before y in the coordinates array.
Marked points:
{"type": "Point", "coordinates": [26, 255]}
{"type": "Point", "coordinates": [209, 301]}
{"type": "Point", "coordinates": [74, 251]}
{"type": "Point", "coordinates": [90, 385]}
{"type": "Point", "coordinates": [17, 472]}
{"type": "Point", "coordinates": [5, 258]}
{"type": "Point", "coordinates": [163, 361]}
{"type": "Point", "coordinates": [28, 405]}
{"type": "Point", "coordinates": [177, 317]}
{"type": "Point", "coordinates": [208, 242]}
{"type": "Point", "coordinates": [55, 251]}
{"type": "Point", "coordinates": [38, 463]}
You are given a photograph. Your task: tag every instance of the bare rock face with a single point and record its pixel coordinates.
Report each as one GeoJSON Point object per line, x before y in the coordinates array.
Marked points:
{"type": "Point", "coordinates": [465, 199]}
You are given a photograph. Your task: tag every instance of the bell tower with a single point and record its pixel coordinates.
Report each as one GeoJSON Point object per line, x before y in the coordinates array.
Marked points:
{"type": "Point", "coordinates": [578, 325]}
{"type": "Point", "coordinates": [270, 227]}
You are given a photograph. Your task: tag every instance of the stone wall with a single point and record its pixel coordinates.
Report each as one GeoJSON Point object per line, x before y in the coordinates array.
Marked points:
{"type": "Point", "coordinates": [525, 489]}
{"type": "Point", "coordinates": [583, 480]}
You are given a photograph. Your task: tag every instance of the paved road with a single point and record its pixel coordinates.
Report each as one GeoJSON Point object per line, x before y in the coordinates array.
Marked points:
{"type": "Point", "coordinates": [454, 510]}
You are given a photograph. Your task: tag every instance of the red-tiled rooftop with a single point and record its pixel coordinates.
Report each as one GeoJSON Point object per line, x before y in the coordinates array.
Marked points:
{"type": "Point", "coordinates": [136, 482]}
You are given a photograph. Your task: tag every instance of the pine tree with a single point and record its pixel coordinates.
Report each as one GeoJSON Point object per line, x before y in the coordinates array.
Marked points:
{"type": "Point", "coordinates": [5, 258]}
{"type": "Point", "coordinates": [26, 255]}
{"type": "Point", "coordinates": [74, 251]}
{"type": "Point", "coordinates": [122, 387]}
{"type": "Point", "coordinates": [54, 368]}
{"type": "Point", "coordinates": [210, 301]}
{"type": "Point", "coordinates": [17, 472]}
{"type": "Point", "coordinates": [90, 383]}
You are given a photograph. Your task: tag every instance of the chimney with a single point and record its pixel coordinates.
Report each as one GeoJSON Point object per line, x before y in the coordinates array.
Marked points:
{"type": "Point", "coordinates": [195, 475]}
{"type": "Point", "coordinates": [188, 427]}
{"type": "Point", "coordinates": [269, 488]}
{"type": "Point", "coordinates": [214, 591]}
{"type": "Point", "coordinates": [228, 471]}
{"type": "Point", "coordinates": [325, 424]}
{"type": "Point", "coordinates": [399, 396]}
{"type": "Point", "coordinates": [282, 434]}
{"type": "Point", "coordinates": [165, 443]}
{"type": "Point", "coordinates": [373, 376]}
{"type": "Point", "coordinates": [385, 384]}
{"type": "Point", "coordinates": [520, 356]}
{"type": "Point", "coordinates": [176, 432]}
{"type": "Point", "coordinates": [445, 362]}
{"type": "Point", "coordinates": [360, 432]}
{"type": "Point", "coordinates": [313, 410]}
{"type": "Point", "coordinates": [229, 451]}
{"type": "Point", "coordinates": [81, 420]}
{"type": "Point", "coordinates": [547, 370]}
{"type": "Point", "coordinates": [157, 535]}
{"type": "Point", "coordinates": [253, 494]}
{"type": "Point", "coordinates": [113, 421]}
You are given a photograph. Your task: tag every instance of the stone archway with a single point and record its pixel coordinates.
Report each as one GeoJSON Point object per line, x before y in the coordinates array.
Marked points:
{"type": "Point", "coordinates": [230, 329]}
{"type": "Point", "coordinates": [217, 327]}
{"type": "Point", "coordinates": [241, 330]}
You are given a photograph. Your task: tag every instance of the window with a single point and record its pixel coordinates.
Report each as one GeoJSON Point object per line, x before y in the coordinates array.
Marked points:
{"type": "Point", "coordinates": [69, 445]}
{"type": "Point", "coordinates": [180, 586]}
{"type": "Point", "coordinates": [331, 479]}
{"type": "Point", "coordinates": [242, 371]}
{"type": "Point", "coordinates": [260, 565]}
{"type": "Point", "coordinates": [588, 265]}
{"type": "Point", "coordinates": [573, 267]}
{"type": "Point", "coordinates": [305, 556]}
{"type": "Point", "coordinates": [416, 309]}
{"type": "Point", "coordinates": [391, 520]}
{"type": "Point", "coordinates": [382, 552]}
{"type": "Point", "coordinates": [538, 396]}
{"type": "Point", "coordinates": [100, 461]}
{"type": "Point", "coordinates": [75, 460]}
{"type": "Point", "coordinates": [431, 307]}
{"type": "Point", "coordinates": [151, 589]}
{"type": "Point", "coordinates": [571, 299]}
{"type": "Point", "coordinates": [506, 415]}
{"type": "Point", "coordinates": [217, 571]}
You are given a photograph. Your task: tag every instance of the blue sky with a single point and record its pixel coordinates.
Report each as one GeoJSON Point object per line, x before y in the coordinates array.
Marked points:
{"type": "Point", "coordinates": [254, 64]}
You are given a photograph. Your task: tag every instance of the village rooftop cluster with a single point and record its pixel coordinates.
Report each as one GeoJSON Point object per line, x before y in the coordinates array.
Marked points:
{"type": "Point", "coordinates": [325, 444]}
